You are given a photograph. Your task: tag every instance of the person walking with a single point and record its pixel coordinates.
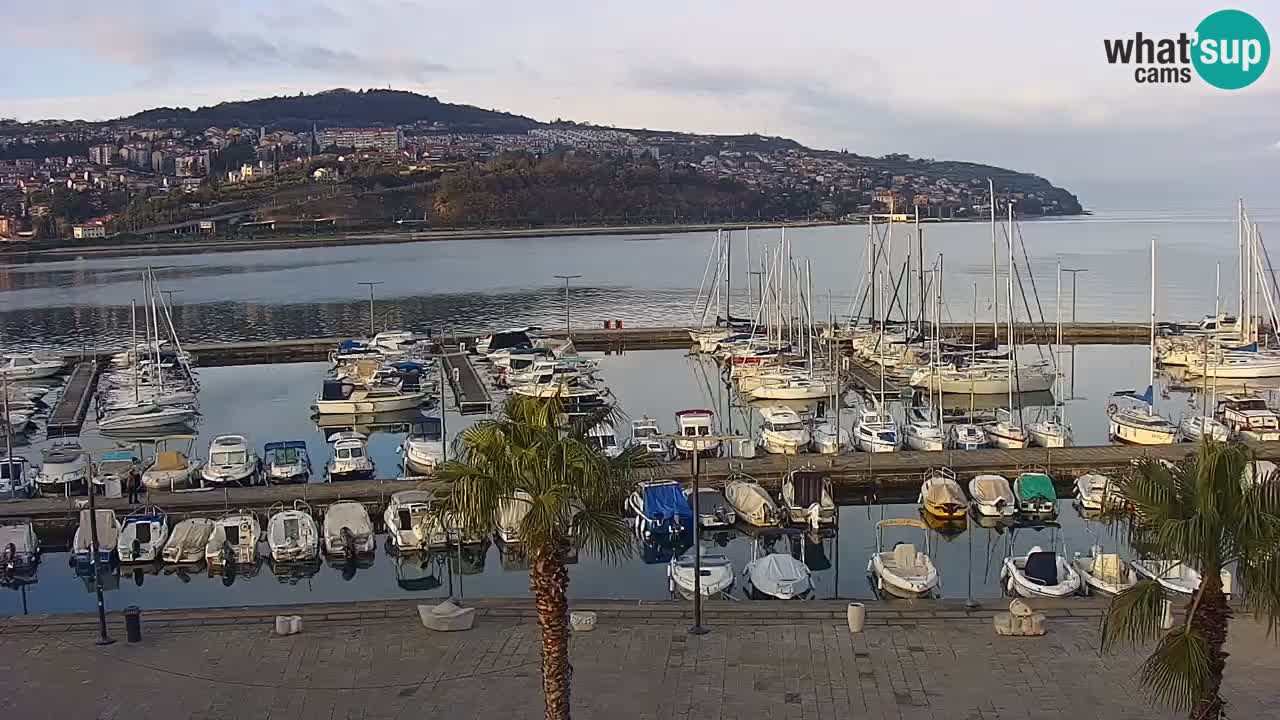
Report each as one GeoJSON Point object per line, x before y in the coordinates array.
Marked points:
{"type": "Point", "coordinates": [135, 486]}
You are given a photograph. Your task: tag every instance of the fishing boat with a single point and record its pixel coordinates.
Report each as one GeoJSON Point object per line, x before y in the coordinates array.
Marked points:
{"type": "Point", "coordinates": [781, 431]}
{"type": "Point", "coordinates": [1095, 492]}
{"type": "Point", "coordinates": [903, 571]}
{"type": "Point", "coordinates": [941, 496]}
{"type": "Point", "coordinates": [19, 548]}
{"type": "Point", "coordinates": [1175, 576]}
{"type": "Point", "coordinates": [286, 462]}
{"type": "Point", "coordinates": [347, 530]}
{"type": "Point", "coordinates": [661, 509]}
{"type": "Point", "coordinates": [691, 425]}
{"type": "Point", "coordinates": [776, 575]}
{"type": "Point", "coordinates": [713, 510]}
{"type": "Point", "coordinates": [341, 397]}
{"type": "Point", "coordinates": [108, 536]}
{"type": "Point", "coordinates": [992, 496]}
{"type": "Point", "coordinates": [172, 469]}
{"type": "Point", "coordinates": [1248, 417]}
{"type": "Point", "coordinates": [647, 434]}
{"type": "Point", "coordinates": [876, 431]}
{"type": "Point", "coordinates": [716, 576]}
{"type": "Point", "coordinates": [1035, 496]}
{"type": "Point", "coordinates": [187, 542]}
{"type": "Point", "coordinates": [231, 462]}
{"type": "Point", "coordinates": [64, 469]}
{"type": "Point", "coordinates": [27, 366]}
{"type": "Point", "coordinates": [602, 438]}
{"type": "Point", "coordinates": [234, 541]}
{"type": "Point", "coordinates": [1005, 432]}
{"type": "Point", "coordinates": [966, 436]}
{"type": "Point", "coordinates": [292, 534]}
{"type": "Point", "coordinates": [806, 497]}
{"type": "Point", "coordinates": [423, 448]}
{"type": "Point", "coordinates": [142, 535]}
{"type": "Point", "coordinates": [16, 479]}
{"type": "Point", "coordinates": [1194, 428]}
{"type": "Point", "coordinates": [511, 514]}
{"type": "Point", "coordinates": [751, 503]}
{"type": "Point", "coordinates": [1104, 574]}
{"type": "Point", "coordinates": [349, 458]}
{"type": "Point", "coordinates": [406, 517]}
{"type": "Point", "coordinates": [1039, 574]}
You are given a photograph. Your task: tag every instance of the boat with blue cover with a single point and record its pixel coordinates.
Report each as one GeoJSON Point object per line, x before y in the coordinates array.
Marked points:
{"type": "Point", "coordinates": [661, 509]}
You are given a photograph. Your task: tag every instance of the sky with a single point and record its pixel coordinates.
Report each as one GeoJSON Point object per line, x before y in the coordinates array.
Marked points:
{"type": "Point", "coordinates": [1016, 84]}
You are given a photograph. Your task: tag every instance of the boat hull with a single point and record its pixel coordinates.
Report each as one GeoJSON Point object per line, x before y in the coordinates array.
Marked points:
{"type": "Point", "coordinates": [352, 407]}
{"type": "Point", "coordinates": [1132, 435]}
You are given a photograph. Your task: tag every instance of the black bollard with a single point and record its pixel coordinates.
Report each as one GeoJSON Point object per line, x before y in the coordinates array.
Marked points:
{"type": "Point", "coordinates": [133, 623]}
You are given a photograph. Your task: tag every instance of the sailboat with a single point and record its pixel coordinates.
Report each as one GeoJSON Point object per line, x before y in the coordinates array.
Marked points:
{"type": "Point", "coordinates": [923, 429]}
{"type": "Point", "coordinates": [1139, 425]}
{"type": "Point", "coordinates": [1054, 432]}
{"type": "Point", "coordinates": [1007, 432]}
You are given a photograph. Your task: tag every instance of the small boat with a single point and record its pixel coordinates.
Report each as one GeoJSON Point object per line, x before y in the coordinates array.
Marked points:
{"type": "Point", "coordinates": [1095, 492]}
{"type": "Point", "coordinates": [1139, 425]}
{"type": "Point", "coordinates": [187, 542]}
{"type": "Point", "coordinates": [691, 425]}
{"type": "Point", "coordinates": [423, 448]}
{"type": "Point", "coordinates": [966, 436]}
{"type": "Point", "coordinates": [108, 536]}
{"type": "Point", "coordinates": [172, 469]}
{"type": "Point", "coordinates": [941, 496]}
{"type": "Point", "coordinates": [145, 416]}
{"type": "Point", "coordinates": [646, 433]}
{"type": "Point", "coordinates": [713, 510]}
{"type": "Point", "coordinates": [806, 496]}
{"type": "Point", "coordinates": [143, 535]}
{"type": "Point", "coordinates": [406, 518]}
{"type": "Point", "coordinates": [511, 514]}
{"type": "Point", "coordinates": [116, 468]}
{"type": "Point", "coordinates": [751, 503]}
{"type": "Point", "coordinates": [1034, 495]}
{"type": "Point", "coordinates": [1104, 573]}
{"type": "Point", "coordinates": [349, 459]}
{"type": "Point", "coordinates": [1248, 417]}
{"type": "Point", "coordinates": [16, 480]}
{"type": "Point", "coordinates": [826, 439]}
{"type": "Point", "coordinates": [347, 530]}
{"type": "Point", "coordinates": [776, 575]}
{"type": "Point", "coordinates": [876, 431]}
{"type": "Point", "coordinates": [661, 509]}
{"type": "Point", "coordinates": [1174, 576]}
{"type": "Point", "coordinates": [19, 549]}
{"type": "Point", "coordinates": [1039, 574]}
{"type": "Point", "coordinates": [992, 496]}
{"type": "Point", "coordinates": [18, 421]}
{"type": "Point", "coordinates": [27, 366]}
{"type": "Point", "coordinates": [795, 387]}
{"type": "Point", "coordinates": [1005, 432]}
{"type": "Point", "coordinates": [903, 571]}
{"type": "Point", "coordinates": [340, 397]}
{"type": "Point", "coordinates": [394, 341]}
{"type": "Point", "coordinates": [286, 462]}
{"type": "Point", "coordinates": [602, 438]}
{"type": "Point", "coordinates": [1051, 433]}
{"type": "Point", "coordinates": [921, 431]}
{"type": "Point", "coordinates": [1193, 428]}
{"type": "Point", "coordinates": [292, 534]}
{"type": "Point", "coordinates": [781, 431]}
{"type": "Point", "coordinates": [63, 469]}
{"type": "Point", "coordinates": [716, 575]}
{"type": "Point", "coordinates": [231, 462]}
{"type": "Point", "coordinates": [234, 541]}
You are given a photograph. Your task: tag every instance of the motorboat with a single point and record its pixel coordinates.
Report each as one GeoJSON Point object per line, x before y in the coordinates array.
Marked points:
{"type": "Point", "coordinates": [187, 542]}
{"type": "Point", "coordinates": [406, 518]}
{"type": "Point", "coordinates": [17, 421]}
{"type": "Point", "coordinates": [1175, 576]}
{"type": "Point", "coordinates": [1194, 428]}
{"type": "Point", "coordinates": [347, 530]}
{"type": "Point", "coordinates": [145, 416]}
{"type": "Point", "coordinates": [1006, 432]}
{"type": "Point", "coordinates": [776, 575]}
{"type": "Point", "coordinates": [751, 503]}
{"type": "Point", "coordinates": [504, 339]}
{"type": "Point", "coordinates": [16, 478]}
{"type": "Point", "coordinates": [647, 434]}
{"type": "Point", "coordinates": [116, 469]}
{"type": "Point", "coordinates": [349, 458]}
{"type": "Point", "coordinates": [19, 548]}
{"type": "Point", "coordinates": [234, 541]}
{"type": "Point", "coordinates": [1104, 574]}
{"type": "Point", "coordinates": [903, 571]}
{"type": "Point", "coordinates": [292, 534]}
{"type": "Point", "coordinates": [286, 462]}
{"type": "Point", "coordinates": [1050, 433]}
{"type": "Point", "coordinates": [716, 576]}
{"type": "Point", "coordinates": [690, 426]}
{"type": "Point", "coordinates": [941, 496]}
{"type": "Point", "coordinates": [827, 439]}
{"type": "Point", "coordinates": [1095, 492]}
{"type": "Point", "coordinates": [782, 432]}
{"type": "Point", "coordinates": [142, 535]}
{"type": "Point", "coordinates": [966, 436]}
{"type": "Point", "coordinates": [1248, 417]}
{"type": "Point", "coordinates": [602, 437]}
{"type": "Point", "coordinates": [713, 510]}
{"type": "Point", "coordinates": [1140, 426]}
{"type": "Point", "coordinates": [231, 462]}
{"type": "Point", "coordinates": [992, 496]}
{"type": "Point", "coordinates": [171, 470]}
{"type": "Point", "coordinates": [340, 397]}
{"type": "Point", "coordinates": [394, 341]}
{"type": "Point", "coordinates": [27, 366]}
{"type": "Point", "coordinates": [423, 448]}
{"type": "Point", "coordinates": [511, 514]}
{"type": "Point", "coordinates": [806, 497]}
{"type": "Point", "coordinates": [64, 469]}
{"type": "Point", "coordinates": [661, 509]}
{"type": "Point", "coordinates": [1034, 494]}
{"type": "Point", "coordinates": [1039, 574]}
{"type": "Point", "coordinates": [108, 536]}
{"type": "Point", "coordinates": [876, 431]}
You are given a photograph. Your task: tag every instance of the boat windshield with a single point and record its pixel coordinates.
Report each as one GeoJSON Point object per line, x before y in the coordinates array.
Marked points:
{"type": "Point", "coordinates": [286, 456]}
{"type": "Point", "coordinates": [692, 430]}
{"type": "Point", "coordinates": [644, 431]}
{"type": "Point", "coordinates": [355, 452]}
{"type": "Point", "coordinates": [601, 442]}
{"type": "Point", "coordinates": [786, 426]}
{"type": "Point", "coordinates": [234, 457]}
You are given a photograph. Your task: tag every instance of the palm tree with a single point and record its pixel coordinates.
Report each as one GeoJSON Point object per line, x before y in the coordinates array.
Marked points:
{"type": "Point", "coordinates": [1213, 513]}
{"type": "Point", "coordinates": [575, 494]}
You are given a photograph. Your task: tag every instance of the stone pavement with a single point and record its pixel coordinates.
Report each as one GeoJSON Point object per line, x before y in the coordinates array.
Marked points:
{"type": "Point", "coordinates": [374, 661]}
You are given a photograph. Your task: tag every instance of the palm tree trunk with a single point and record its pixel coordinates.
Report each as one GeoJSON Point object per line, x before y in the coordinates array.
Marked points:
{"type": "Point", "coordinates": [1209, 620]}
{"type": "Point", "coordinates": [549, 581]}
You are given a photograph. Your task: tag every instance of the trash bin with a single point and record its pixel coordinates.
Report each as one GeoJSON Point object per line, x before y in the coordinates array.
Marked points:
{"type": "Point", "coordinates": [133, 623]}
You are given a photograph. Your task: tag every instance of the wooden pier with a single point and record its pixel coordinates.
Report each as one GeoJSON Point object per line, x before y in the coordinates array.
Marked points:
{"type": "Point", "coordinates": [469, 390]}
{"type": "Point", "coordinates": [866, 378]}
{"type": "Point", "coordinates": [68, 415]}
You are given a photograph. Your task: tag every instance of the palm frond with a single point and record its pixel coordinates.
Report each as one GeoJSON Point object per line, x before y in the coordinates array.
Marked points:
{"type": "Point", "coordinates": [1178, 671]}
{"type": "Point", "coordinates": [1260, 576]}
{"type": "Point", "coordinates": [1134, 616]}
{"type": "Point", "coordinates": [604, 534]}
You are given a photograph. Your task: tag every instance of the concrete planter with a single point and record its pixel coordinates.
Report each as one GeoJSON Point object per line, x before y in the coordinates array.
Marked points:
{"type": "Point", "coordinates": [857, 614]}
{"type": "Point", "coordinates": [582, 621]}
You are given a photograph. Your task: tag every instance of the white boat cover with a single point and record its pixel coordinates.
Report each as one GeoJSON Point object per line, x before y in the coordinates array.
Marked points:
{"type": "Point", "coordinates": [1108, 568]}
{"type": "Point", "coordinates": [1265, 470]}
{"type": "Point", "coordinates": [108, 532]}
{"type": "Point", "coordinates": [751, 502]}
{"type": "Point", "coordinates": [717, 574]}
{"type": "Point", "coordinates": [511, 514]}
{"type": "Point", "coordinates": [779, 575]}
{"type": "Point", "coordinates": [187, 541]}
{"type": "Point", "coordinates": [941, 491]}
{"type": "Point", "coordinates": [987, 489]}
{"type": "Point", "coordinates": [19, 535]}
{"type": "Point", "coordinates": [350, 516]}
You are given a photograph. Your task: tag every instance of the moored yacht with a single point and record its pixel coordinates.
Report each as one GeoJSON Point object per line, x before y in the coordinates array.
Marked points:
{"type": "Point", "coordinates": [782, 432]}
{"type": "Point", "coordinates": [876, 431]}
{"type": "Point", "coordinates": [1005, 432]}
{"type": "Point", "coordinates": [231, 462]}
{"type": "Point", "coordinates": [1248, 417]}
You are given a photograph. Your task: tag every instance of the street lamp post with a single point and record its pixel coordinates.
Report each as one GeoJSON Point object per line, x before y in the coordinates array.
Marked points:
{"type": "Point", "coordinates": [372, 330]}
{"type": "Point", "coordinates": [97, 570]}
{"type": "Point", "coordinates": [1074, 272]}
{"type": "Point", "coordinates": [711, 441]}
{"type": "Point", "coordinates": [566, 279]}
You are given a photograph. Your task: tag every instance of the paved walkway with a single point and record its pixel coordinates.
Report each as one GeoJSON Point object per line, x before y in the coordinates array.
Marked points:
{"type": "Point", "coordinates": [374, 661]}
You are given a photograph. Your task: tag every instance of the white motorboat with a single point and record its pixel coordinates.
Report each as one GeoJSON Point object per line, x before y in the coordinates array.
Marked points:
{"type": "Point", "coordinates": [292, 534]}
{"type": "Point", "coordinates": [1005, 432]}
{"type": "Point", "coordinates": [19, 548]}
{"type": "Point", "coordinates": [751, 503]}
{"type": "Point", "coordinates": [145, 416]}
{"type": "Point", "coordinates": [339, 397]}
{"type": "Point", "coordinates": [16, 420]}
{"type": "Point", "coordinates": [966, 436]}
{"type": "Point", "coordinates": [116, 469]}
{"type": "Point", "coordinates": [716, 576]}
{"type": "Point", "coordinates": [423, 448]}
{"type": "Point", "coordinates": [1104, 574]}
{"type": "Point", "coordinates": [1174, 576]}
{"type": "Point", "coordinates": [1039, 574]}
{"type": "Point", "coordinates": [172, 469]}
{"type": "Point", "coordinates": [511, 514]}
{"type": "Point", "coordinates": [661, 509]}
{"type": "Point", "coordinates": [143, 535]}
{"type": "Point", "coordinates": [713, 510]}
{"type": "Point", "coordinates": [782, 432]}
{"type": "Point", "coordinates": [1051, 433]}
{"type": "Point", "coordinates": [602, 438]}
{"type": "Point", "coordinates": [876, 431]}
{"type": "Point", "coordinates": [347, 530]}
{"type": "Point", "coordinates": [1139, 426]}
{"type": "Point", "coordinates": [806, 497]}
{"type": "Point", "coordinates": [27, 366]}
{"type": "Point", "coordinates": [940, 495]}
{"type": "Point", "coordinates": [406, 519]}
{"type": "Point", "coordinates": [646, 433]}
{"type": "Point", "coordinates": [903, 571]}
{"type": "Point", "coordinates": [1035, 495]}
{"type": "Point", "coordinates": [1095, 492]}
{"type": "Point", "coordinates": [1194, 428]}
{"type": "Point", "coordinates": [349, 458]}
{"type": "Point", "coordinates": [231, 462]}
{"type": "Point", "coordinates": [234, 541]}
{"type": "Point", "coordinates": [286, 462]}
{"type": "Point", "coordinates": [777, 576]}
{"type": "Point", "coordinates": [108, 536]}
{"type": "Point", "coordinates": [1248, 417]}
{"type": "Point", "coordinates": [16, 478]}
{"type": "Point", "coordinates": [394, 341]}
{"type": "Point", "coordinates": [187, 542]}
{"type": "Point", "coordinates": [63, 469]}
{"type": "Point", "coordinates": [992, 496]}
{"type": "Point", "coordinates": [691, 425]}
{"type": "Point", "coordinates": [827, 440]}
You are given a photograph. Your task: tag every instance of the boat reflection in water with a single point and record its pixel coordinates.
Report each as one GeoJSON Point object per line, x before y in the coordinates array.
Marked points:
{"type": "Point", "coordinates": [349, 566]}
{"type": "Point", "coordinates": [289, 573]}
{"type": "Point", "coordinates": [421, 571]}
{"type": "Point", "coordinates": [232, 570]}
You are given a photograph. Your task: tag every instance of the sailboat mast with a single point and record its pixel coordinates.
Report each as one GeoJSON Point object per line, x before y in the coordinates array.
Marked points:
{"type": "Point", "coordinates": [920, 254]}
{"type": "Point", "coordinates": [728, 274]}
{"type": "Point", "coordinates": [995, 287]}
{"type": "Point", "coordinates": [747, 234]}
{"type": "Point", "coordinates": [808, 306]}
{"type": "Point", "coordinates": [1151, 364]}
{"type": "Point", "coordinates": [155, 330]}
{"type": "Point", "coordinates": [1013, 353]}
{"type": "Point", "coordinates": [1241, 322]}
{"type": "Point", "coordinates": [133, 344]}
{"type": "Point", "coordinates": [937, 348]}
{"type": "Point", "coordinates": [871, 268]}
{"type": "Point", "coordinates": [1217, 293]}
{"type": "Point", "coordinates": [973, 346]}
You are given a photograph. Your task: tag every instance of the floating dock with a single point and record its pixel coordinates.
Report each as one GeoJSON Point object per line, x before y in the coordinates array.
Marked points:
{"type": "Point", "coordinates": [866, 379]}
{"type": "Point", "coordinates": [68, 414]}
{"type": "Point", "coordinates": [469, 390]}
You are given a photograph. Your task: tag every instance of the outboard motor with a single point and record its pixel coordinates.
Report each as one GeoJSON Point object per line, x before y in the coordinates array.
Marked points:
{"type": "Point", "coordinates": [348, 543]}
{"type": "Point", "coordinates": [137, 548]}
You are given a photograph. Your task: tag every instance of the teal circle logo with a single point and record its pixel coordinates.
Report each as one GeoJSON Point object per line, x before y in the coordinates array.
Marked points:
{"type": "Point", "coordinates": [1232, 49]}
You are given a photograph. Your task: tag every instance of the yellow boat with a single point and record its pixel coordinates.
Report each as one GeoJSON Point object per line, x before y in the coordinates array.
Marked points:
{"type": "Point", "coordinates": [941, 496]}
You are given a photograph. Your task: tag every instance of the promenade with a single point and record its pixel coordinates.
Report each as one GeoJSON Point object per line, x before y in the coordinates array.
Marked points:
{"type": "Point", "coordinates": [374, 661]}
